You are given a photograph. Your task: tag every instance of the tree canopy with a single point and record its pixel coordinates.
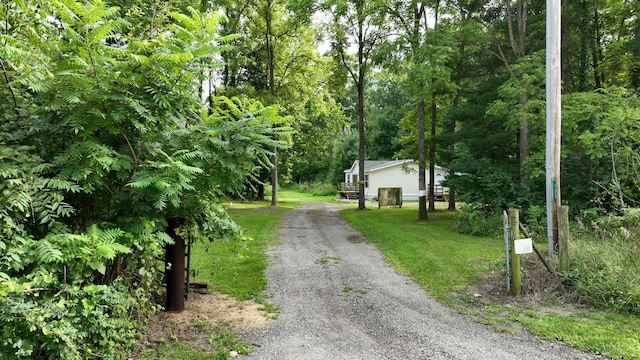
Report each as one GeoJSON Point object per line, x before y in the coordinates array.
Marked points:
{"type": "Point", "coordinates": [104, 140]}
{"type": "Point", "coordinates": [119, 117]}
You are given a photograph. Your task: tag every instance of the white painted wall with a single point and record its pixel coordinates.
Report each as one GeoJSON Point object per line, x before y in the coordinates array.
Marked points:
{"type": "Point", "coordinates": [395, 176]}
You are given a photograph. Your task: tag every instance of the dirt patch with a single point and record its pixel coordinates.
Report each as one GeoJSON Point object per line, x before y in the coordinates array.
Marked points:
{"type": "Point", "coordinates": [541, 291]}
{"type": "Point", "coordinates": [202, 313]}
{"type": "Point", "coordinates": [356, 238]}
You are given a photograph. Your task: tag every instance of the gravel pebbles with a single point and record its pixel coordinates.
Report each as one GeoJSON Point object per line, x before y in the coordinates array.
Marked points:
{"type": "Point", "coordinates": [339, 299]}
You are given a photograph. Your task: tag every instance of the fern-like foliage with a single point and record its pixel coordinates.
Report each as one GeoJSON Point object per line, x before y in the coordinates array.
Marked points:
{"type": "Point", "coordinates": [45, 252]}
{"type": "Point", "coordinates": [103, 137]}
{"type": "Point", "coordinates": [29, 194]}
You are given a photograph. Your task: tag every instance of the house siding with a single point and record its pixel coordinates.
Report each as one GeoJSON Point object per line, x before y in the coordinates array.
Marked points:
{"type": "Point", "coordinates": [394, 177]}
{"type": "Point", "coordinates": [380, 176]}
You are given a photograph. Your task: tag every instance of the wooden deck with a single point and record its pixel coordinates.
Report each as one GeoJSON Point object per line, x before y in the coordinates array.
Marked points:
{"type": "Point", "coordinates": [440, 193]}
{"type": "Point", "coordinates": [349, 191]}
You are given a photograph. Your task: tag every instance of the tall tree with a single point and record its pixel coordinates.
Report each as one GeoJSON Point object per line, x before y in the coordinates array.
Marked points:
{"type": "Point", "coordinates": [357, 23]}
{"type": "Point", "coordinates": [422, 53]}
{"type": "Point", "coordinates": [388, 99]}
{"type": "Point", "coordinates": [278, 47]}
{"type": "Point", "coordinates": [522, 43]}
{"type": "Point", "coordinates": [411, 18]}
{"type": "Point", "coordinates": [468, 34]}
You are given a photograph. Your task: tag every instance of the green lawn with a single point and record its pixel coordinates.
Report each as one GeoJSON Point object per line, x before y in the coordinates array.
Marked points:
{"type": "Point", "coordinates": [434, 255]}
{"type": "Point", "coordinates": [237, 267]}
{"type": "Point", "coordinates": [439, 259]}
{"type": "Point", "coordinates": [443, 262]}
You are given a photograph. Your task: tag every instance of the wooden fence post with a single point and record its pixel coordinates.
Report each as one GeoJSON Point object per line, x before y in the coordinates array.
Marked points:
{"type": "Point", "coordinates": [563, 238]}
{"type": "Point", "coordinates": [514, 222]}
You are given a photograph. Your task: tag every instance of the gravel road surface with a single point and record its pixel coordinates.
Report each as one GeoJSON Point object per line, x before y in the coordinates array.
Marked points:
{"type": "Point", "coordinates": [340, 300]}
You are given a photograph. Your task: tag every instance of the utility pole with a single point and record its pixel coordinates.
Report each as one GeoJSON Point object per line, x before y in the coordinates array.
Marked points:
{"type": "Point", "coordinates": [553, 117]}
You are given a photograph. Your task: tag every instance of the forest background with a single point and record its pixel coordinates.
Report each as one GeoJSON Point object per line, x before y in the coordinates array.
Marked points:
{"type": "Point", "coordinates": [124, 122]}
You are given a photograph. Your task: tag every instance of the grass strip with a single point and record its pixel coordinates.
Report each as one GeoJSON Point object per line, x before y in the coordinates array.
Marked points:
{"type": "Point", "coordinates": [431, 253]}
{"type": "Point", "coordinates": [445, 262]}
{"type": "Point", "coordinates": [237, 267]}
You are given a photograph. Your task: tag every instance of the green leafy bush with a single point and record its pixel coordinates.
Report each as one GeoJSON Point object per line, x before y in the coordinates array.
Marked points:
{"type": "Point", "coordinates": [605, 261]}
{"type": "Point", "coordinates": [478, 219]}
{"type": "Point", "coordinates": [104, 138]}
{"type": "Point", "coordinates": [535, 218]}
{"type": "Point", "coordinates": [314, 188]}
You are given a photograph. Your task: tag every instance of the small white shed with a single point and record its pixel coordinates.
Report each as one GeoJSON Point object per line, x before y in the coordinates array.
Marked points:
{"type": "Point", "coordinates": [394, 173]}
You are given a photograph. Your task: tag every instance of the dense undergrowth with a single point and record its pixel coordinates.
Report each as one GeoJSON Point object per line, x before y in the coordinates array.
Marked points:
{"type": "Point", "coordinates": [605, 263]}
{"type": "Point", "coordinates": [604, 253]}
{"type": "Point", "coordinates": [315, 188]}
{"type": "Point", "coordinates": [106, 148]}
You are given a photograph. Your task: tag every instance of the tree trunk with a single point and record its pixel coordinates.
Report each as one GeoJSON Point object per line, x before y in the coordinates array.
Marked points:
{"type": "Point", "coordinates": [175, 255]}
{"type": "Point", "coordinates": [524, 149]}
{"type": "Point", "coordinates": [598, 72]}
{"type": "Point", "coordinates": [260, 194]}
{"type": "Point", "coordinates": [432, 155]}
{"type": "Point", "coordinates": [452, 147]}
{"type": "Point", "coordinates": [422, 183]}
{"type": "Point", "coordinates": [274, 178]}
{"type": "Point", "coordinates": [518, 45]}
{"type": "Point", "coordinates": [361, 139]}
{"type": "Point", "coordinates": [635, 67]}
{"type": "Point", "coordinates": [271, 69]}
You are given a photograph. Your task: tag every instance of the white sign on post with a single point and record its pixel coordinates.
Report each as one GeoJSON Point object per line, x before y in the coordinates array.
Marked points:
{"type": "Point", "coordinates": [523, 246]}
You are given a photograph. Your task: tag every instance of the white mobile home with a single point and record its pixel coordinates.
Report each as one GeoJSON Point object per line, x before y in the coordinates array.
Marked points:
{"type": "Point", "coordinates": [394, 173]}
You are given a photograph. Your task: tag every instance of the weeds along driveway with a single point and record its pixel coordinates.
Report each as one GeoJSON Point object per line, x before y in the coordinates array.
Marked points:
{"type": "Point", "coordinates": [339, 299]}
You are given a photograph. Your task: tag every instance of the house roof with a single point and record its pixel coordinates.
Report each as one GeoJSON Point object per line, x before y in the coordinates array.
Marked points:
{"type": "Point", "coordinates": [375, 165]}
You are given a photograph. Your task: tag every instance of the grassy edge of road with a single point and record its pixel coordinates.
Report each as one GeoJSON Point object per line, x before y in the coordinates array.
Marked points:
{"type": "Point", "coordinates": [448, 264]}
{"type": "Point", "coordinates": [237, 268]}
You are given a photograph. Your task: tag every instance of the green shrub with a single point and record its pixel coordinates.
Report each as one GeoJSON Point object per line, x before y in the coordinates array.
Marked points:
{"type": "Point", "coordinates": [324, 189]}
{"type": "Point", "coordinates": [315, 189]}
{"type": "Point", "coordinates": [88, 322]}
{"type": "Point", "coordinates": [605, 258]}
{"type": "Point", "coordinates": [115, 143]}
{"type": "Point", "coordinates": [50, 303]}
{"type": "Point", "coordinates": [478, 219]}
{"type": "Point", "coordinates": [535, 218]}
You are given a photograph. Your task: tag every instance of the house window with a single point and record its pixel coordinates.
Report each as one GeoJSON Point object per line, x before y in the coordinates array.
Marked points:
{"type": "Point", "coordinates": [354, 178]}
{"type": "Point", "coordinates": [366, 180]}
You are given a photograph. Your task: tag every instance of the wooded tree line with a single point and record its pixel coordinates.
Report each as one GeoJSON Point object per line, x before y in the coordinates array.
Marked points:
{"type": "Point", "coordinates": [468, 76]}
{"type": "Point", "coordinates": [122, 120]}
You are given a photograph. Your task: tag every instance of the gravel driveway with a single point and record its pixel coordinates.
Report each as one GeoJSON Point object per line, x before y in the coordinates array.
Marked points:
{"type": "Point", "coordinates": [340, 300]}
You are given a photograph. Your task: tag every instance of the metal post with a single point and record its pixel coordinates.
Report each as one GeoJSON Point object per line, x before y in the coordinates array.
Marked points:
{"type": "Point", "coordinates": [514, 220]}
{"type": "Point", "coordinates": [553, 117]}
{"type": "Point", "coordinates": [187, 286]}
{"type": "Point", "coordinates": [175, 255]}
